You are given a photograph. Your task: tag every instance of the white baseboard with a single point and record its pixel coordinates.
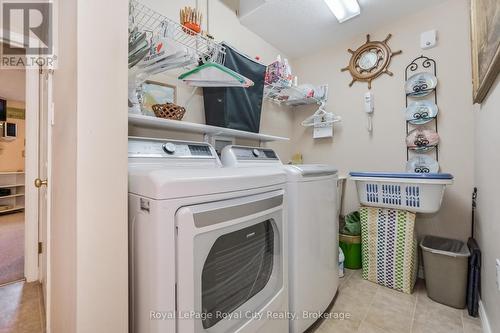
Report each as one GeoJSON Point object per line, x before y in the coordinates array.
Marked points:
{"type": "Point", "coordinates": [484, 319]}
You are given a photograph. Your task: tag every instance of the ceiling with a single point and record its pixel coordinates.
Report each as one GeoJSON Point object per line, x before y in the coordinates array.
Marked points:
{"type": "Point", "coordinates": [297, 27]}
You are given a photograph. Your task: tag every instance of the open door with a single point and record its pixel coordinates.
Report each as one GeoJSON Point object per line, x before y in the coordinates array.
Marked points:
{"type": "Point", "coordinates": [44, 173]}
{"type": "Point", "coordinates": [38, 190]}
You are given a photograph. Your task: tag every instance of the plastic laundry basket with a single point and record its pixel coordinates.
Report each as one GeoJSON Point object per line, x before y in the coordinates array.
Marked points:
{"type": "Point", "coordinates": [445, 267]}
{"type": "Point", "coordinates": [414, 192]}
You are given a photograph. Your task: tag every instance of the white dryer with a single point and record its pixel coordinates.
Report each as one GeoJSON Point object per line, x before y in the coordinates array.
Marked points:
{"type": "Point", "coordinates": [313, 230]}
{"type": "Point", "coordinates": [208, 245]}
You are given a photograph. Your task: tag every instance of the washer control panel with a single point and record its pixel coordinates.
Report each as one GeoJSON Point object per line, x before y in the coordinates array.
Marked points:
{"type": "Point", "coordinates": [146, 147]}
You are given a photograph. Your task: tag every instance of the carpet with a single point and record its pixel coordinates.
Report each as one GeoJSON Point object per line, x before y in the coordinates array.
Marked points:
{"type": "Point", "coordinates": [11, 247]}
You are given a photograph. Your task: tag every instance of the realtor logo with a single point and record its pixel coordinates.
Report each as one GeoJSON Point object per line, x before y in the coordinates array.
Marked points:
{"type": "Point", "coordinates": [27, 33]}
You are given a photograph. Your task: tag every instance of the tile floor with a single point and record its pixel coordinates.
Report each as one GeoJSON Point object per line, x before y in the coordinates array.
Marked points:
{"type": "Point", "coordinates": [21, 308]}
{"type": "Point", "coordinates": [376, 309]}
{"type": "Point", "coordinates": [372, 309]}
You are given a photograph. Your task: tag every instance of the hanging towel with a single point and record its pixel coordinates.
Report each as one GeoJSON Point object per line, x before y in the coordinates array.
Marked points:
{"type": "Point", "coordinates": [389, 247]}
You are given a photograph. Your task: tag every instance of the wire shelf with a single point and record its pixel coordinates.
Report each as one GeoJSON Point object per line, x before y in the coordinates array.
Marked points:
{"type": "Point", "coordinates": [154, 23]}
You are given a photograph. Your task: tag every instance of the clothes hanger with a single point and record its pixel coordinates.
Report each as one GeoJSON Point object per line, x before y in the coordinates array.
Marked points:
{"type": "Point", "coordinates": [163, 46]}
{"type": "Point", "coordinates": [322, 115]}
{"type": "Point", "coordinates": [211, 74]}
{"type": "Point", "coordinates": [138, 45]}
{"type": "Point", "coordinates": [165, 65]}
{"type": "Point", "coordinates": [135, 40]}
{"type": "Point", "coordinates": [165, 54]}
{"type": "Point", "coordinates": [136, 57]}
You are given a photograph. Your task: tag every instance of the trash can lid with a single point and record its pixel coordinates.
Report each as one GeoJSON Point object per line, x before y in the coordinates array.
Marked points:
{"type": "Point", "coordinates": [445, 246]}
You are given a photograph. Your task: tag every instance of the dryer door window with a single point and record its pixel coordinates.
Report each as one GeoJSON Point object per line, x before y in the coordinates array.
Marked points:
{"type": "Point", "coordinates": [238, 266]}
{"type": "Point", "coordinates": [230, 263]}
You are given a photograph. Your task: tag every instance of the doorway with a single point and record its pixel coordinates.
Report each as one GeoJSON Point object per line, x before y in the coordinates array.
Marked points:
{"type": "Point", "coordinates": [24, 246]}
{"type": "Point", "coordinates": [12, 174]}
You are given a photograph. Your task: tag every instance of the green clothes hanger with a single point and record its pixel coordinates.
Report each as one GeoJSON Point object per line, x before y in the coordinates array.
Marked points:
{"type": "Point", "coordinates": [212, 74]}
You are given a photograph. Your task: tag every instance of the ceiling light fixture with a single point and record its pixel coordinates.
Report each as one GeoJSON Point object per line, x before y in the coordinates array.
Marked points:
{"type": "Point", "coordinates": [344, 9]}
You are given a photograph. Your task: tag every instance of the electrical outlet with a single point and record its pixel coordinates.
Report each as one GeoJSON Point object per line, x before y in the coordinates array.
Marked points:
{"type": "Point", "coordinates": [498, 274]}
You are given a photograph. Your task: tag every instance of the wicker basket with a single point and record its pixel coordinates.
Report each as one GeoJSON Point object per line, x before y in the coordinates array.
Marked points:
{"type": "Point", "coordinates": [169, 111]}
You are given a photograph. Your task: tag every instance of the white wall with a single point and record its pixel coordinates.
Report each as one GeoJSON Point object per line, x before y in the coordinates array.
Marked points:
{"type": "Point", "coordinates": [63, 235]}
{"type": "Point", "coordinates": [353, 148]}
{"type": "Point", "coordinates": [12, 83]}
{"type": "Point", "coordinates": [487, 179]}
{"type": "Point", "coordinates": [12, 88]}
{"type": "Point", "coordinates": [12, 153]}
{"type": "Point", "coordinates": [89, 223]}
{"type": "Point", "coordinates": [102, 229]}
{"type": "Point", "coordinates": [224, 26]}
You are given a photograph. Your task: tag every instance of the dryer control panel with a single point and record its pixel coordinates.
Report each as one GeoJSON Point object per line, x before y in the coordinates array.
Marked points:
{"type": "Point", "coordinates": [160, 148]}
{"type": "Point", "coordinates": [238, 155]}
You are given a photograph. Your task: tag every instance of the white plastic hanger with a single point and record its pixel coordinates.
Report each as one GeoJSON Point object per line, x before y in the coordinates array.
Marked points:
{"type": "Point", "coordinates": [323, 115]}
{"type": "Point", "coordinates": [164, 48]}
{"type": "Point", "coordinates": [165, 53]}
{"type": "Point", "coordinates": [166, 64]}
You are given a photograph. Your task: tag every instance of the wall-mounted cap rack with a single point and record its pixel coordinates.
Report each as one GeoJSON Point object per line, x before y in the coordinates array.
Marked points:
{"type": "Point", "coordinates": [422, 64]}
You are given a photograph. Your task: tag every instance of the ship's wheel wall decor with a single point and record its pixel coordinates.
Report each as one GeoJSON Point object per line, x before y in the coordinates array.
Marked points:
{"type": "Point", "coordinates": [370, 60]}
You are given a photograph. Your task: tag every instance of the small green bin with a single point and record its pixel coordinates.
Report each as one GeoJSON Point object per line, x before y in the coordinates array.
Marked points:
{"type": "Point", "coordinates": [351, 246]}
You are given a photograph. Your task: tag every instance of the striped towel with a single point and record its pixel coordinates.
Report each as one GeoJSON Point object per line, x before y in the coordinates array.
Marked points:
{"type": "Point", "coordinates": [389, 247]}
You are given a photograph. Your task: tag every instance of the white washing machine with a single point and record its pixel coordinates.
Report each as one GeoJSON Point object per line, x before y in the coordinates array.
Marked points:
{"type": "Point", "coordinates": [313, 230]}
{"type": "Point", "coordinates": [208, 245]}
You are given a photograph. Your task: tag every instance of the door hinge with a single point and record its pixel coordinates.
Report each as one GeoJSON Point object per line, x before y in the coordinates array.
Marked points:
{"type": "Point", "coordinates": [40, 247]}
